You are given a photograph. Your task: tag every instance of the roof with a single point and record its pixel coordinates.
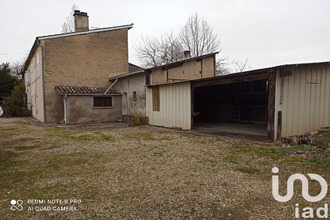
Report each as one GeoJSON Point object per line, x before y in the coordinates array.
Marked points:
{"type": "Point", "coordinates": [84, 90]}
{"type": "Point", "coordinates": [132, 70]}
{"type": "Point", "coordinates": [47, 37]}
{"type": "Point", "coordinates": [245, 72]}
{"type": "Point", "coordinates": [169, 65]}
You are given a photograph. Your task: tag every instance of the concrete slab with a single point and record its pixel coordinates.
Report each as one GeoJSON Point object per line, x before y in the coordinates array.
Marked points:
{"type": "Point", "coordinates": [247, 131]}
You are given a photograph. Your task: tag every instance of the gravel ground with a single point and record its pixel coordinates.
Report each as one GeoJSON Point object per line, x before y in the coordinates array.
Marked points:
{"type": "Point", "coordinates": [147, 172]}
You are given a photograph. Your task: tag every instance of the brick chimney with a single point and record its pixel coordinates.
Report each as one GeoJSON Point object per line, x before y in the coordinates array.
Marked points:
{"type": "Point", "coordinates": [186, 54]}
{"type": "Point", "coordinates": [80, 21]}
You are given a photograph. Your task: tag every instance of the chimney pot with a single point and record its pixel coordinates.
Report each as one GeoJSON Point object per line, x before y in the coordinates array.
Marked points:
{"type": "Point", "coordinates": [81, 22]}
{"type": "Point", "coordinates": [186, 54]}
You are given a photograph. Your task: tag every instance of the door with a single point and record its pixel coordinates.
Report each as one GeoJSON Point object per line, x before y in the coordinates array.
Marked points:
{"type": "Point", "coordinates": [124, 104]}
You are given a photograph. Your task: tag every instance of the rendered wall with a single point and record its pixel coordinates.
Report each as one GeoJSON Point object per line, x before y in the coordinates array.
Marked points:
{"type": "Point", "coordinates": [175, 106]}
{"type": "Point", "coordinates": [193, 69]}
{"type": "Point", "coordinates": [33, 86]}
{"type": "Point", "coordinates": [304, 99]}
{"type": "Point", "coordinates": [80, 110]}
{"type": "Point", "coordinates": [130, 84]}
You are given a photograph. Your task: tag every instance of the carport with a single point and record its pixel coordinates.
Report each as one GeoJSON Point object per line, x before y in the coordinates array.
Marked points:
{"type": "Point", "coordinates": [239, 104]}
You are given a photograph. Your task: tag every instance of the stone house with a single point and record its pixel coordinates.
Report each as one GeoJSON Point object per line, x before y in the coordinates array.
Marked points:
{"type": "Point", "coordinates": [66, 75]}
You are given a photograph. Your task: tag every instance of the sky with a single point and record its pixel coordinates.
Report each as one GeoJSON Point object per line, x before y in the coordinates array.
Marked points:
{"type": "Point", "coordinates": [267, 33]}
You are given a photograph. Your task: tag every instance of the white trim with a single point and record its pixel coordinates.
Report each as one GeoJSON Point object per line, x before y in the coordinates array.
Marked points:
{"type": "Point", "coordinates": [85, 32]}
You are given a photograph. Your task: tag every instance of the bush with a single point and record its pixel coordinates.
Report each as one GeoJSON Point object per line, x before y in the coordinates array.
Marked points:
{"type": "Point", "coordinates": [15, 104]}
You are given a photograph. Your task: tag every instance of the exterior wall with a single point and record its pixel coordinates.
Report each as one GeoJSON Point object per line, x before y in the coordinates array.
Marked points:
{"type": "Point", "coordinates": [135, 83]}
{"type": "Point", "coordinates": [33, 86]}
{"type": "Point", "coordinates": [86, 60]}
{"type": "Point", "coordinates": [304, 99]}
{"type": "Point", "coordinates": [80, 110]}
{"type": "Point", "coordinates": [175, 106]}
{"type": "Point", "coordinates": [208, 67]}
{"type": "Point", "coordinates": [158, 76]}
{"type": "Point", "coordinates": [194, 69]}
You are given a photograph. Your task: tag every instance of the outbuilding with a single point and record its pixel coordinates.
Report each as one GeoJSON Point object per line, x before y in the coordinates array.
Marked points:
{"type": "Point", "coordinates": [272, 102]}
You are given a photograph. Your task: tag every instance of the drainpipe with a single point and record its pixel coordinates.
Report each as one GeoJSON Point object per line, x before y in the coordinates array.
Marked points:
{"type": "Point", "coordinates": [43, 79]}
{"type": "Point", "coordinates": [65, 110]}
{"type": "Point", "coordinates": [111, 86]}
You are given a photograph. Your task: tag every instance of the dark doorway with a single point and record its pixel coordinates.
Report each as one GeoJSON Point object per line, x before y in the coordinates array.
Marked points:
{"type": "Point", "coordinates": [235, 108]}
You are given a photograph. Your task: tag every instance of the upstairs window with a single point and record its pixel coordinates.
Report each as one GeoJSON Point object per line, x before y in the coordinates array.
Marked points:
{"type": "Point", "coordinates": [103, 101]}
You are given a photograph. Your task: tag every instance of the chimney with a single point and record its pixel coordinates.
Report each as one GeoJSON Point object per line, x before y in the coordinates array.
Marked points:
{"type": "Point", "coordinates": [80, 21]}
{"type": "Point", "coordinates": [186, 54]}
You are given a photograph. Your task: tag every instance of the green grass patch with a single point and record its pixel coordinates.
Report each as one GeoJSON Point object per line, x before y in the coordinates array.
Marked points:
{"type": "Point", "coordinates": [139, 136]}
{"type": "Point", "coordinates": [28, 147]}
{"type": "Point", "coordinates": [272, 152]}
{"type": "Point", "coordinates": [303, 147]}
{"type": "Point", "coordinates": [248, 170]}
{"type": "Point", "coordinates": [232, 159]}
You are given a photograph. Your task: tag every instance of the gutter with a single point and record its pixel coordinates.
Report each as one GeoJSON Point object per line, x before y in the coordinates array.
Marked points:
{"type": "Point", "coordinates": [65, 109]}
{"type": "Point", "coordinates": [43, 80]}
{"type": "Point", "coordinates": [110, 86]}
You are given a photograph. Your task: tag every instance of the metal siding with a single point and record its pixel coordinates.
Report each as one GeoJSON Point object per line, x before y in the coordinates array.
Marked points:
{"type": "Point", "coordinates": [175, 104]}
{"type": "Point", "coordinates": [306, 100]}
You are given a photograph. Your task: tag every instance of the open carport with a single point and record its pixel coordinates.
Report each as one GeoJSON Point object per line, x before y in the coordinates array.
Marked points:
{"type": "Point", "coordinates": [234, 105]}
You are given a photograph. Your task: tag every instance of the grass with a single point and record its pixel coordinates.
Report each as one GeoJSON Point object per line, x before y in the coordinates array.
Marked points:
{"type": "Point", "coordinates": [146, 173]}
{"type": "Point", "coordinates": [248, 170]}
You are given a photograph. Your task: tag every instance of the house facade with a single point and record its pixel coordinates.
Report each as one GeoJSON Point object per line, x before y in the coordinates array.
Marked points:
{"type": "Point", "coordinates": [81, 58]}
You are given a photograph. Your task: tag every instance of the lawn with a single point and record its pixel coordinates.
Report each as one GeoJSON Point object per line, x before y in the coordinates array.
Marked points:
{"type": "Point", "coordinates": [147, 172]}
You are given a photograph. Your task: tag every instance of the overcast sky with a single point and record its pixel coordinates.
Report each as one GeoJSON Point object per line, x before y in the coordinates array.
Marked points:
{"type": "Point", "coordinates": [266, 32]}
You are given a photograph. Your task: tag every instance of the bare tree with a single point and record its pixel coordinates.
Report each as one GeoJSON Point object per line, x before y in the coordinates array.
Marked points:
{"type": "Point", "coordinates": [196, 35]}
{"type": "Point", "coordinates": [156, 52]}
{"type": "Point", "coordinates": [68, 25]}
{"type": "Point", "coordinates": [199, 37]}
{"type": "Point", "coordinates": [240, 66]}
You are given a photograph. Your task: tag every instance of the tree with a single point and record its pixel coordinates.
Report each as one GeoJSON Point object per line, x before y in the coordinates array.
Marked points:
{"type": "Point", "coordinates": [196, 35]}
{"type": "Point", "coordinates": [7, 81]}
{"type": "Point", "coordinates": [15, 104]}
{"type": "Point", "coordinates": [68, 25]}
{"type": "Point", "coordinates": [154, 52]}
{"type": "Point", "coordinates": [199, 37]}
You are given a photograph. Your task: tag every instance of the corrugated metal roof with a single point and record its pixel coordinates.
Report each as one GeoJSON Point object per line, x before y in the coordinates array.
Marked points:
{"type": "Point", "coordinates": [245, 72]}
{"type": "Point", "coordinates": [84, 90]}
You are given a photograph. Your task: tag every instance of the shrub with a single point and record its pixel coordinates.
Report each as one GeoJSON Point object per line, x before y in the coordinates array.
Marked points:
{"type": "Point", "coordinates": [15, 104]}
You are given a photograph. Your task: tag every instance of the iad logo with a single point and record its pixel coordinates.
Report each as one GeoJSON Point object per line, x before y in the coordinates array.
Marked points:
{"type": "Point", "coordinates": [304, 182]}
{"type": "Point", "coordinates": [308, 212]}
{"type": "Point", "coordinates": [16, 205]}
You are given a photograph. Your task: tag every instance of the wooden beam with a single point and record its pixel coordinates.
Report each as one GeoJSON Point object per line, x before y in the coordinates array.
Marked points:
{"type": "Point", "coordinates": [271, 105]}
{"type": "Point", "coordinates": [231, 79]}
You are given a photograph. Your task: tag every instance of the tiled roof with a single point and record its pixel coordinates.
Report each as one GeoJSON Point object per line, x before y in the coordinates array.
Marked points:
{"type": "Point", "coordinates": [134, 68]}
{"type": "Point", "coordinates": [83, 90]}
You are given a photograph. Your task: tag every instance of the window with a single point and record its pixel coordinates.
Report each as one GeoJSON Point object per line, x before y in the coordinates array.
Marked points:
{"type": "Point", "coordinates": [155, 99]}
{"type": "Point", "coordinates": [134, 96]}
{"type": "Point", "coordinates": [102, 101]}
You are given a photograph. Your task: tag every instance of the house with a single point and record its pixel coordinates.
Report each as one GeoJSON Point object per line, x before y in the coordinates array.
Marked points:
{"type": "Point", "coordinates": [272, 102]}
{"type": "Point", "coordinates": [132, 85]}
{"type": "Point", "coordinates": [66, 75]}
